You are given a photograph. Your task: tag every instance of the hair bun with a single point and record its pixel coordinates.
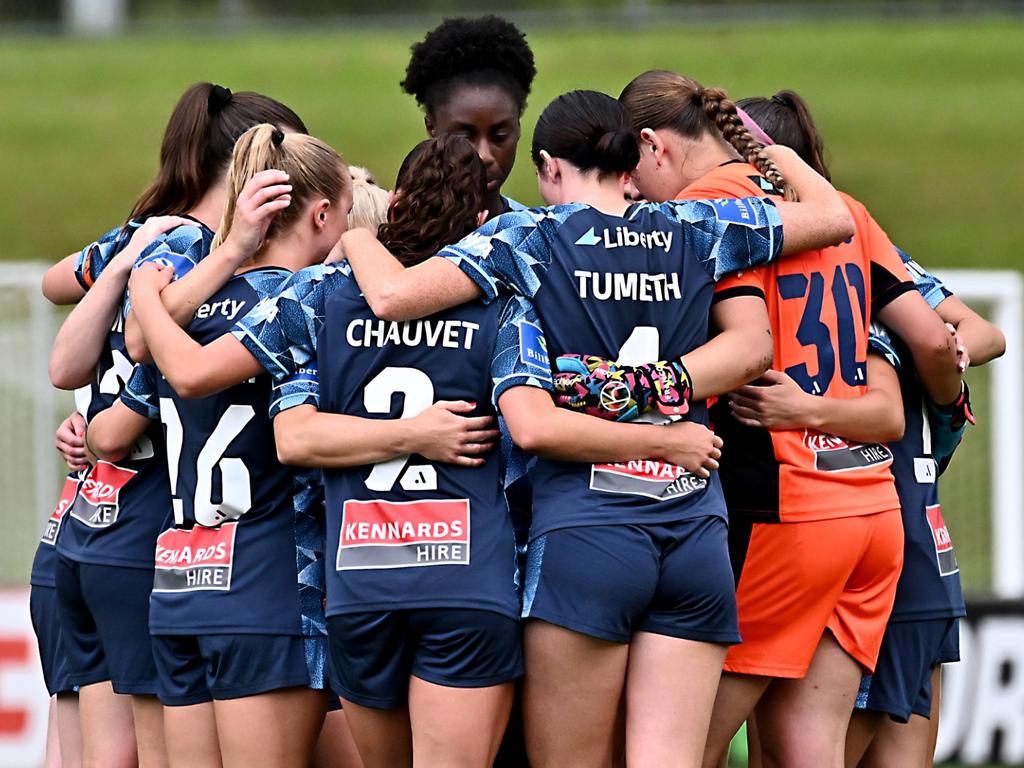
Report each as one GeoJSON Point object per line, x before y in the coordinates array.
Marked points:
{"type": "Point", "coordinates": [617, 151]}
{"type": "Point", "coordinates": [219, 98]}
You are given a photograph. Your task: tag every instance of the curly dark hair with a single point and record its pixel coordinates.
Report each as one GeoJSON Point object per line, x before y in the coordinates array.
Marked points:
{"type": "Point", "coordinates": [488, 50]}
{"type": "Point", "coordinates": [439, 193]}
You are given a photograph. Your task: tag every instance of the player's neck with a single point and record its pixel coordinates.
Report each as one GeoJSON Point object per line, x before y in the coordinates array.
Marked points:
{"type": "Point", "coordinates": [702, 156]}
{"type": "Point", "coordinates": [210, 207]}
{"type": "Point", "coordinates": [606, 195]}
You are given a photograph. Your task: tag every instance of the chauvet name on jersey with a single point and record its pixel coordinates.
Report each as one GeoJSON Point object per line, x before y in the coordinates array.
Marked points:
{"type": "Point", "coordinates": [635, 286]}
{"type": "Point", "coordinates": [371, 332]}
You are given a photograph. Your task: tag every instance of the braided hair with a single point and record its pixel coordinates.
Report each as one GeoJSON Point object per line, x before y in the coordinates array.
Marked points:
{"type": "Point", "coordinates": [663, 99]}
{"type": "Point", "coordinates": [485, 51]}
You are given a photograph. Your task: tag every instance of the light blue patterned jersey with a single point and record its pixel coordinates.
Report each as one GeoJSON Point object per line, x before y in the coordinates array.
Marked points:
{"type": "Point", "coordinates": [92, 259]}
{"type": "Point", "coordinates": [281, 331]}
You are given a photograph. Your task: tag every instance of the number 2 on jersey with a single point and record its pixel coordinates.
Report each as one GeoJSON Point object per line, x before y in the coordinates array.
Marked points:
{"type": "Point", "coordinates": [812, 332]}
{"type": "Point", "coordinates": [418, 390]}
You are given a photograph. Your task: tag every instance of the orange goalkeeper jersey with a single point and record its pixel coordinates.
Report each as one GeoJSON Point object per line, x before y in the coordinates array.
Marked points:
{"type": "Point", "coordinates": [820, 304]}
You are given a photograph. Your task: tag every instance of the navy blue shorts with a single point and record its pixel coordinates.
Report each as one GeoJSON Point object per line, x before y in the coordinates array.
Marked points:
{"type": "Point", "coordinates": [902, 682]}
{"type": "Point", "coordinates": [104, 612]}
{"type": "Point", "coordinates": [609, 581]}
{"type": "Point", "coordinates": [198, 668]}
{"type": "Point", "coordinates": [42, 606]}
{"type": "Point", "coordinates": [373, 654]}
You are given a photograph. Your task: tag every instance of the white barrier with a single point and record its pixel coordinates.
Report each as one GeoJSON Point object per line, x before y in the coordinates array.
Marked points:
{"type": "Point", "coordinates": [24, 704]}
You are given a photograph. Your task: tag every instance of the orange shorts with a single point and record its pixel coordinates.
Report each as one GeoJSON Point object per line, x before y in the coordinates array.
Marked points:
{"type": "Point", "coordinates": [799, 579]}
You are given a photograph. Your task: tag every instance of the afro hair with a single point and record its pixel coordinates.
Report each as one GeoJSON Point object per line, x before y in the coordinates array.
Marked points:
{"type": "Point", "coordinates": [477, 51]}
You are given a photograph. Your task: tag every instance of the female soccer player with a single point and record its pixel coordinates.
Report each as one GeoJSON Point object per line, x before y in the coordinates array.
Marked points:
{"type": "Point", "coordinates": [109, 532]}
{"type": "Point", "coordinates": [611, 578]}
{"type": "Point", "coordinates": [804, 676]}
{"type": "Point", "coordinates": [472, 77]}
{"type": "Point", "coordinates": [922, 632]}
{"type": "Point", "coordinates": [237, 578]}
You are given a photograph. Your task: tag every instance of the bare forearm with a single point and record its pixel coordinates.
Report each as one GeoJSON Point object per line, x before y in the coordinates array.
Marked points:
{"type": "Point", "coordinates": [984, 341]}
{"type": "Point", "coordinates": [82, 336]}
{"type": "Point", "coordinates": [869, 418]}
{"type": "Point", "coordinates": [567, 436]}
{"type": "Point", "coordinates": [306, 437]}
{"type": "Point", "coordinates": [729, 360]}
{"type": "Point", "coordinates": [396, 293]}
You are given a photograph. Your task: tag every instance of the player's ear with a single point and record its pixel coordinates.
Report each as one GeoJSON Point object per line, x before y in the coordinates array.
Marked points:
{"type": "Point", "coordinates": [549, 168]}
{"type": "Point", "coordinates": [318, 212]}
{"type": "Point", "coordinates": [392, 196]}
{"type": "Point", "coordinates": [429, 125]}
{"type": "Point", "coordinates": [651, 142]}
{"type": "Point", "coordinates": [481, 217]}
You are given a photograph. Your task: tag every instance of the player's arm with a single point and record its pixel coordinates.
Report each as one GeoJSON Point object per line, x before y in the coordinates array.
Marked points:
{"type": "Point", "coordinates": [395, 292]}
{"type": "Point", "coordinates": [112, 433]}
{"type": "Point", "coordinates": [930, 344]}
{"type": "Point", "coordinates": [60, 286]}
{"type": "Point", "coordinates": [307, 437]}
{"type": "Point", "coordinates": [263, 196]}
{"type": "Point", "coordinates": [821, 218]}
{"type": "Point", "coordinates": [777, 402]}
{"type": "Point", "coordinates": [983, 341]}
{"type": "Point", "coordinates": [192, 369]}
{"type": "Point", "coordinates": [83, 334]}
{"type": "Point", "coordinates": [540, 428]}
{"type": "Point", "coordinates": [742, 350]}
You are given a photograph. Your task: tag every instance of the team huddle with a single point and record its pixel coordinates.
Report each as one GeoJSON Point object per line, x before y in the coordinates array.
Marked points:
{"type": "Point", "coordinates": [430, 478]}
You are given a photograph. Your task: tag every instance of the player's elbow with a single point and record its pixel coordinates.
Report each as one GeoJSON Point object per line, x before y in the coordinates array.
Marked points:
{"type": "Point", "coordinates": [188, 383]}
{"type": "Point", "coordinates": [530, 434]}
{"type": "Point", "coordinates": [109, 444]}
{"type": "Point", "coordinates": [291, 443]}
{"type": "Point", "coordinates": [63, 375]}
{"type": "Point", "coordinates": [893, 426]}
{"type": "Point", "coordinates": [386, 304]}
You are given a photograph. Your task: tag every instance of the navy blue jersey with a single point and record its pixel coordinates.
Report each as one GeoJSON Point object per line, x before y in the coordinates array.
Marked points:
{"type": "Point", "coordinates": [111, 521]}
{"type": "Point", "coordinates": [409, 533]}
{"type": "Point", "coordinates": [243, 546]}
{"type": "Point", "coordinates": [46, 553]}
{"type": "Point", "coordinates": [634, 288]}
{"type": "Point", "coordinates": [929, 586]}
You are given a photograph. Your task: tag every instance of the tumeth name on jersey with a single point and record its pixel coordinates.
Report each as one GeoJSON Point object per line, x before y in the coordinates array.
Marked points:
{"type": "Point", "coordinates": [453, 334]}
{"type": "Point", "coordinates": [636, 286]}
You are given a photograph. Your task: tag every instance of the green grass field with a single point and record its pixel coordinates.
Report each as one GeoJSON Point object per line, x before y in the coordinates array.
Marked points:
{"type": "Point", "coordinates": [921, 119]}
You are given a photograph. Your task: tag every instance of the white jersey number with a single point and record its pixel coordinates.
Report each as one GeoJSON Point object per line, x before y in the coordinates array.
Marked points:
{"type": "Point", "coordinates": [418, 390]}
{"type": "Point", "coordinates": [236, 486]}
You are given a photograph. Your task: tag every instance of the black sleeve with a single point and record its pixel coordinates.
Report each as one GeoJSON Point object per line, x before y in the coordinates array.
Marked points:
{"type": "Point", "coordinates": [885, 288]}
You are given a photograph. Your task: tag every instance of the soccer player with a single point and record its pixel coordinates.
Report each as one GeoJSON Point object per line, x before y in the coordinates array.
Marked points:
{"type": "Point", "coordinates": [922, 632]}
{"type": "Point", "coordinates": [614, 590]}
{"type": "Point", "coordinates": [236, 609]}
{"type": "Point", "coordinates": [472, 77]}
{"type": "Point", "coordinates": [805, 638]}
{"type": "Point", "coordinates": [108, 533]}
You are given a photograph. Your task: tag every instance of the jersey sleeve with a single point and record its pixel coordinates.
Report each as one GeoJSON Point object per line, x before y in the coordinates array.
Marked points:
{"type": "Point", "coordinates": [889, 278]}
{"type": "Point", "coordinates": [281, 331]}
{"type": "Point", "coordinates": [509, 253]}
{"type": "Point", "coordinates": [747, 282]}
{"type": "Point", "coordinates": [181, 248]}
{"type": "Point", "coordinates": [727, 235]}
{"type": "Point", "coordinates": [94, 257]}
{"type": "Point", "coordinates": [931, 288]}
{"type": "Point", "coordinates": [520, 351]}
{"type": "Point", "coordinates": [300, 388]}
{"type": "Point", "coordinates": [140, 393]}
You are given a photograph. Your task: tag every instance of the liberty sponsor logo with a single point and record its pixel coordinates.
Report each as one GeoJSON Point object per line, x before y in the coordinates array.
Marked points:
{"type": "Point", "coordinates": [98, 500]}
{"type": "Point", "coordinates": [653, 479]}
{"type": "Point", "coordinates": [67, 498]}
{"type": "Point", "coordinates": [195, 560]}
{"type": "Point", "coordinates": [226, 308]}
{"type": "Point", "coordinates": [834, 454]}
{"type": "Point", "coordinates": [386, 534]}
{"type": "Point", "coordinates": [533, 347]}
{"type": "Point", "coordinates": [944, 553]}
{"type": "Point", "coordinates": [623, 237]}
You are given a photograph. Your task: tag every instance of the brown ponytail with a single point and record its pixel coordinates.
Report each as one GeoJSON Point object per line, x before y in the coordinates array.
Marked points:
{"type": "Point", "coordinates": [663, 99]}
{"type": "Point", "coordinates": [787, 119]}
{"type": "Point", "coordinates": [198, 141]}
{"type": "Point", "coordinates": [314, 170]}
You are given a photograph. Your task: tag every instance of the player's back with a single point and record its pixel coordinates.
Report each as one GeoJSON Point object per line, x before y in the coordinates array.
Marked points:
{"type": "Point", "coordinates": [410, 532]}
{"type": "Point", "coordinates": [820, 306]}
{"type": "Point", "coordinates": [227, 560]}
